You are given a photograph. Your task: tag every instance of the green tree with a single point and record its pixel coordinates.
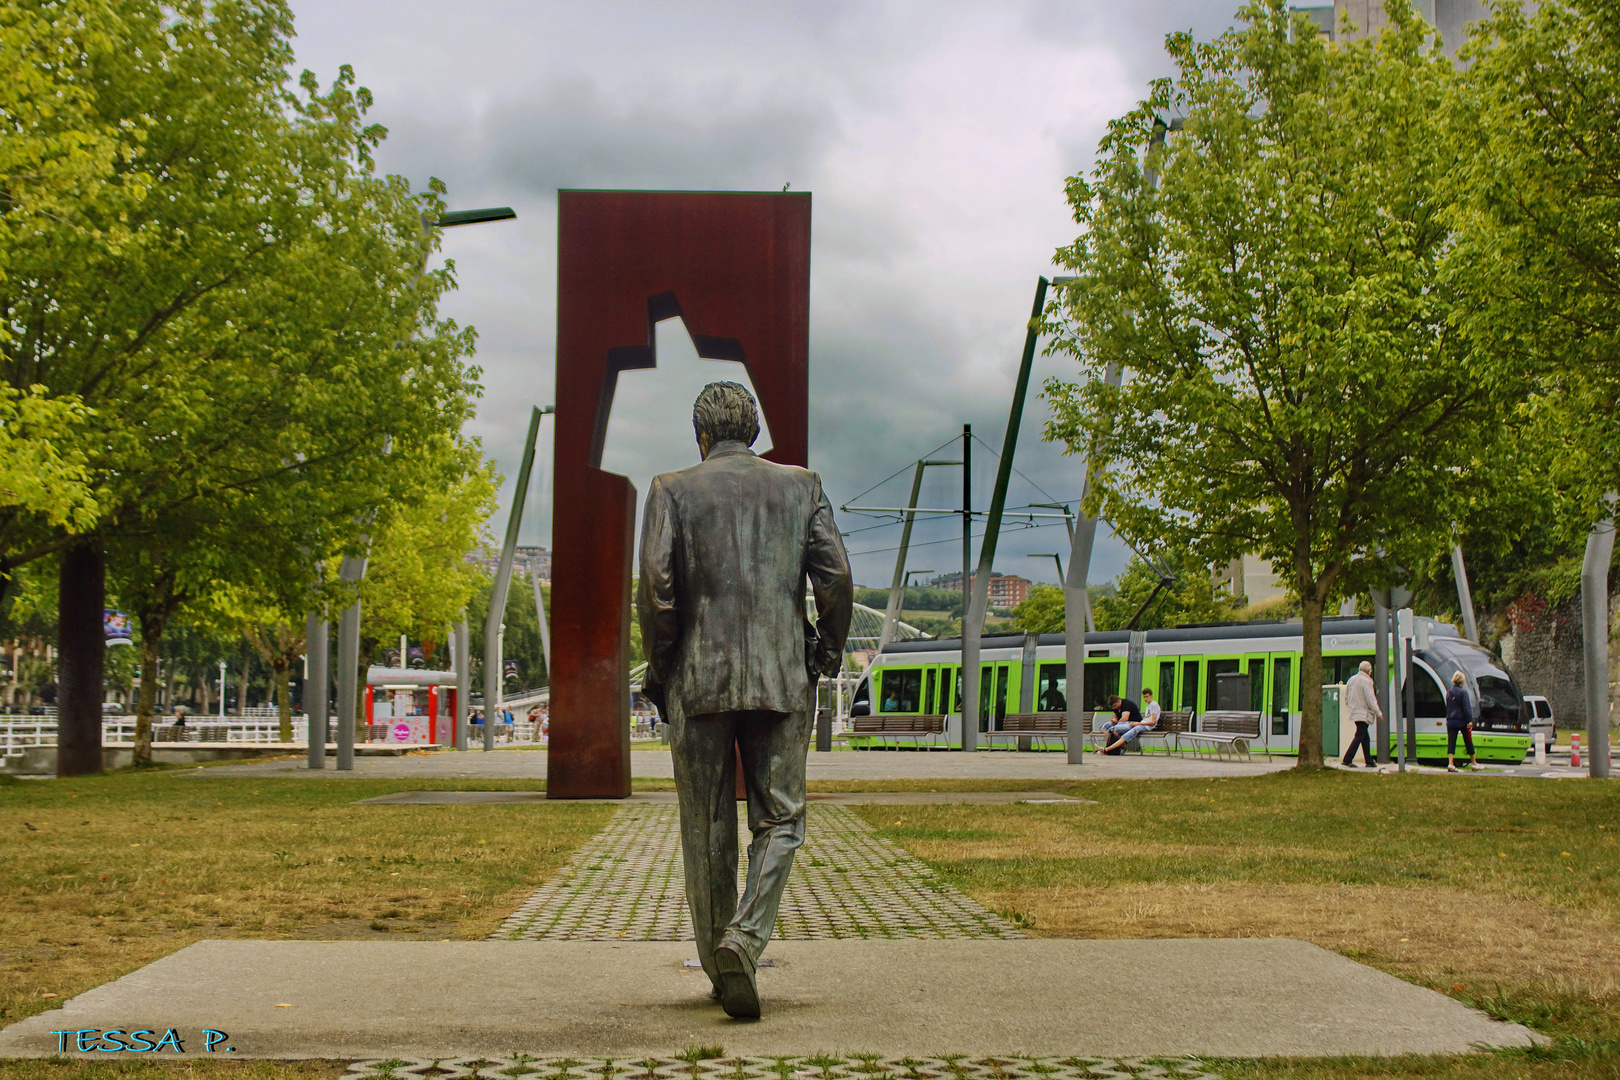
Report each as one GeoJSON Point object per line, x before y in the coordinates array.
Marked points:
{"type": "Point", "coordinates": [1294, 388]}
{"type": "Point", "coordinates": [1189, 598]}
{"type": "Point", "coordinates": [230, 314]}
{"type": "Point", "coordinates": [1539, 192]}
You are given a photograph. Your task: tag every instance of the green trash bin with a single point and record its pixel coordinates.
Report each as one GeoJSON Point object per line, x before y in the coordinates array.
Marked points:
{"type": "Point", "coordinates": [1331, 696]}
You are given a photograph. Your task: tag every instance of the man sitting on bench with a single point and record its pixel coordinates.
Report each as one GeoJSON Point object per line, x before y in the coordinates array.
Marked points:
{"type": "Point", "coordinates": [1127, 725]}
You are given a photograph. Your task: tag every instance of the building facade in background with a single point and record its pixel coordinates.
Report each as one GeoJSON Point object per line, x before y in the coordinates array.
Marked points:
{"type": "Point", "coordinates": [1006, 590]}
{"type": "Point", "coordinates": [1450, 17]}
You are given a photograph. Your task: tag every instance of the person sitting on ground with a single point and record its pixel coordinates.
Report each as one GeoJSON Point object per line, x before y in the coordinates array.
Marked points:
{"type": "Point", "coordinates": [1459, 720]}
{"type": "Point", "coordinates": [1127, 725]}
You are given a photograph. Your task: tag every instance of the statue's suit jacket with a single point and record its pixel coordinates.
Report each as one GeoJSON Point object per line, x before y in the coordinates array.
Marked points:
{"type": "Point", "coordinates": [726, 547]}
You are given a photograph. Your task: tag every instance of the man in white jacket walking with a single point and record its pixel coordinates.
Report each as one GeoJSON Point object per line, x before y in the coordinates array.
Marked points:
{"type": "Point", "coordinates": [1361, 707]}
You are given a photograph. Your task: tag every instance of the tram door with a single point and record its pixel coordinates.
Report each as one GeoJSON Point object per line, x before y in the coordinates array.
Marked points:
{"type": "Point", "coordinates": [1270, 692]}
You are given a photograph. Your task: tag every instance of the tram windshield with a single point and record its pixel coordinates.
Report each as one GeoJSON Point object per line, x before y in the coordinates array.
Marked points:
{"type": "Point", "coordinates": [1498, 703]}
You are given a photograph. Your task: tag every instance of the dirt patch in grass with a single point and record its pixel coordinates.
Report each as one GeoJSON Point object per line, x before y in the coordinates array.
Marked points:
{"type": "Point", "coordinates": [105, 874]}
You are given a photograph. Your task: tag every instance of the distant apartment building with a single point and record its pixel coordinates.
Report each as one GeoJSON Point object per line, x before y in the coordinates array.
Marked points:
{"type": "Point", "coordinates": [1249, 577]}
{"type": "Point", "coordinates": [1450, 17]}
{"type": "Point", "coordinates": [1006, 590]}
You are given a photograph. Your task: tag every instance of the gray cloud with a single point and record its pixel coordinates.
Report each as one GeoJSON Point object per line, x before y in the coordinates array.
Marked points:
{"type": "Point", "coordinates": [935, 138]}
{"type": "Point", "coordinates": [574, 135]}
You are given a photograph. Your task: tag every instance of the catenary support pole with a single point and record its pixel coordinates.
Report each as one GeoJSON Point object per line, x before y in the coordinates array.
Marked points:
{"type": "Point", "coordinates": [973, 617]}
{"type": "Point", "coordinates": [81, 653]}
{"type": "Point", "coordinates": [1077, 608]}
{"type": "Point", "coordinates": [317, 692]}
{"type": "Point", "coordinates": [540, 613]}
{"type": "Point", "coordinates": [1381, 674]}
{"type": "Point", "coordinates": [891, 613]}
{"type": "Point", "coordinates": [1595, 631]}
{"type": "Point", "coordinates": [968, 699]}
{"type": "Point", "coordinates": [1465, 596]}
{"type": "Point", "coordinates": [348, 675]}
{"type": "Point", "coordinates": [503, 582]}
{"type": "Point", "coordinates": [463, 658]}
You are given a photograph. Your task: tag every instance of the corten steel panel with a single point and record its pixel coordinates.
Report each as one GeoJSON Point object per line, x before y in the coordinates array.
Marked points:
{"type": "Point", "coordinates": [736, 268]}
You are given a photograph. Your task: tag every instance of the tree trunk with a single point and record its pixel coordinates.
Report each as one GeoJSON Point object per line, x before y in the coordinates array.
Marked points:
{"type": "Point", "coordinates": [81, 643]}
{"type": "Point", "coordinates": [242, 686]}
{"type": "Point", "coordinates": [148, 699]}
{"type": "Point", "coordinates": [1310, 679]}
{"type": "Point", "coordinates": [278, 669]}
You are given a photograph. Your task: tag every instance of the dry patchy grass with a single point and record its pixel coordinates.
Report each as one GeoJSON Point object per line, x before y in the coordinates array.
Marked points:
{"type": "Point", "coordinates": [1501, 889]}
{"type": "Point", "coordinates": [104, 874]}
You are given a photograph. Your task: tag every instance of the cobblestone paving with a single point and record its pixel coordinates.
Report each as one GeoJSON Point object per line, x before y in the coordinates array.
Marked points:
{"type": "Point", "coordinates": [821, 1067]}
{"type": "Point", "coordinates": [847, 882]}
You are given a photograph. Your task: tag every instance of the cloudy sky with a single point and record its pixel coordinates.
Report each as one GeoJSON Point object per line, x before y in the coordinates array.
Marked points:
{"type": "Point", "coordinates": [934, 136]}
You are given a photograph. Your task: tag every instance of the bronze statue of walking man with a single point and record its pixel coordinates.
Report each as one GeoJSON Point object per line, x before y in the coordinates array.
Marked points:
{"type": "Point", "coordinates": [732, 659]}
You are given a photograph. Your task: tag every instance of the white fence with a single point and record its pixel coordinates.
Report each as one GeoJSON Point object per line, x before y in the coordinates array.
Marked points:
{"type": "Point", "coordinates": [18, 733]}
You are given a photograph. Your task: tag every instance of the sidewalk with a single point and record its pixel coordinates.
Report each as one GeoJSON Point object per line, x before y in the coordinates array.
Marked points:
{"type": "Point", "coordinates": [837, 765]}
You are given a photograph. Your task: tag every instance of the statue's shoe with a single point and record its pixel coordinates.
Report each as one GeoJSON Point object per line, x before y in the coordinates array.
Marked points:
{"type": "Point", "coordinates": [739, 995]}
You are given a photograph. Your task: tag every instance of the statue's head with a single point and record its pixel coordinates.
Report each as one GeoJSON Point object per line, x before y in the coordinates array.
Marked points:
{"type": "Point", "coordinates": [725, 412]}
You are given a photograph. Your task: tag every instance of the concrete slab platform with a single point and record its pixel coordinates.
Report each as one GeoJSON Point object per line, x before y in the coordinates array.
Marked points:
{"type": "Point", "coordinates": [353, 1000]}
{"type": "Point", "coordinates": [836, 798]}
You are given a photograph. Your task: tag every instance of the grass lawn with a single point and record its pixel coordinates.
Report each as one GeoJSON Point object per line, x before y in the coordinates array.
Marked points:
{"type": "Point", "coordinates": [1504, 893]}
{"type": "Point", "coordinates": [102, 874]}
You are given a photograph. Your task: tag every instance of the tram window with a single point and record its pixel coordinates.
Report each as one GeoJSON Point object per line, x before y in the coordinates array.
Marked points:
{"type": "Point", "coordinates": [928, 691]}
{"type": "Point", "coordinates": [1167, 684]}
{"type": "Point", "coordinates": [1189, 685]}
{"type": "Point", "coordinates": [1498, 704]}
{"type": "Point", "coordinates": [1339, 669]}
{"type": "Point", "coordinates": [1218, 667]}
{"type": "Point", "coordinates": [900, 691]}
{"type": "Point", "coordinates": [1281, 681]}
{"type": "Point", "coordinates": [1102, 683]}
{"type": "Point", "coordinates": [1050, 689]}
{"type": "Point", "coordinates": [1427, 696]}
{"type": "Point", "coordinates": [862, 704]}
{"type": "Point", "coordinates": [1257, 685]}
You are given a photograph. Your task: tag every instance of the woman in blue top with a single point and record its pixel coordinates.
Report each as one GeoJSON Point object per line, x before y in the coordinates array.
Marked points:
{"type": "Point", "coordinates": [1459, 718]}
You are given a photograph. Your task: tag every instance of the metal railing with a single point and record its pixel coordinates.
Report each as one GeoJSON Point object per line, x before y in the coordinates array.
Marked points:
{"type": "Point", "coordinates": [18, 733]}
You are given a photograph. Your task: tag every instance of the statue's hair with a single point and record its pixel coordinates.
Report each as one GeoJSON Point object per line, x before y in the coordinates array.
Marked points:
{"type": "Point", "coordinates": [725, 412]}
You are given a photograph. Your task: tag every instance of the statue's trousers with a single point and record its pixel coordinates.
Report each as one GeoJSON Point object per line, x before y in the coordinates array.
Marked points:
{"type": "Point", "coordinates": [773, 747]}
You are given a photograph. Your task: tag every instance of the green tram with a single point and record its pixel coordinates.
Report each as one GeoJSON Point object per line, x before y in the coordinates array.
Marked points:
{"type": "Point", "coordinates": [1192, 668]}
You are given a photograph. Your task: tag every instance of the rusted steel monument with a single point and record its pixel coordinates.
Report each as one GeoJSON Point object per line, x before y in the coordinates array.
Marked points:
{"type": "Point", "coordinates": [735, 267]}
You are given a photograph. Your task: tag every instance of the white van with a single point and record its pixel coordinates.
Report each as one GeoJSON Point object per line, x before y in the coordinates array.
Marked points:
{"type": "Point", "coordinates": [1539, 711]}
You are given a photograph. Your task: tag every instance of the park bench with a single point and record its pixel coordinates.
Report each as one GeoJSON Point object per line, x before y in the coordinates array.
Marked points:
{"type": "Point", "coordinates": [1028, 727]}
{"type": "Point", "coordinates": [1171, 728]}
{"type": "Point", "coordinates": [1222, 732]}
{"type": "Point", "coordinates": [895, 727]}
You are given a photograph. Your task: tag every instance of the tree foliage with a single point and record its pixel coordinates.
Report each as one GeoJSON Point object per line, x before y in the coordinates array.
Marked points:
{"type": "Point", "coordinates": [1294, 389]}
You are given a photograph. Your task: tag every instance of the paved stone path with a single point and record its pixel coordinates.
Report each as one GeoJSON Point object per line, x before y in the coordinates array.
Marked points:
{"type": "Point", "coordinates": [626, 884]}
{"type": "Point", "coordinates": [817, 1067]}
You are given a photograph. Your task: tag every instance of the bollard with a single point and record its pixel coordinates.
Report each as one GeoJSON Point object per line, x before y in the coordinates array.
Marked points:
{"type": "Point", "coordinates": [1574, 751]}
{"type": "Point", "coordinates": [1541, 748]}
